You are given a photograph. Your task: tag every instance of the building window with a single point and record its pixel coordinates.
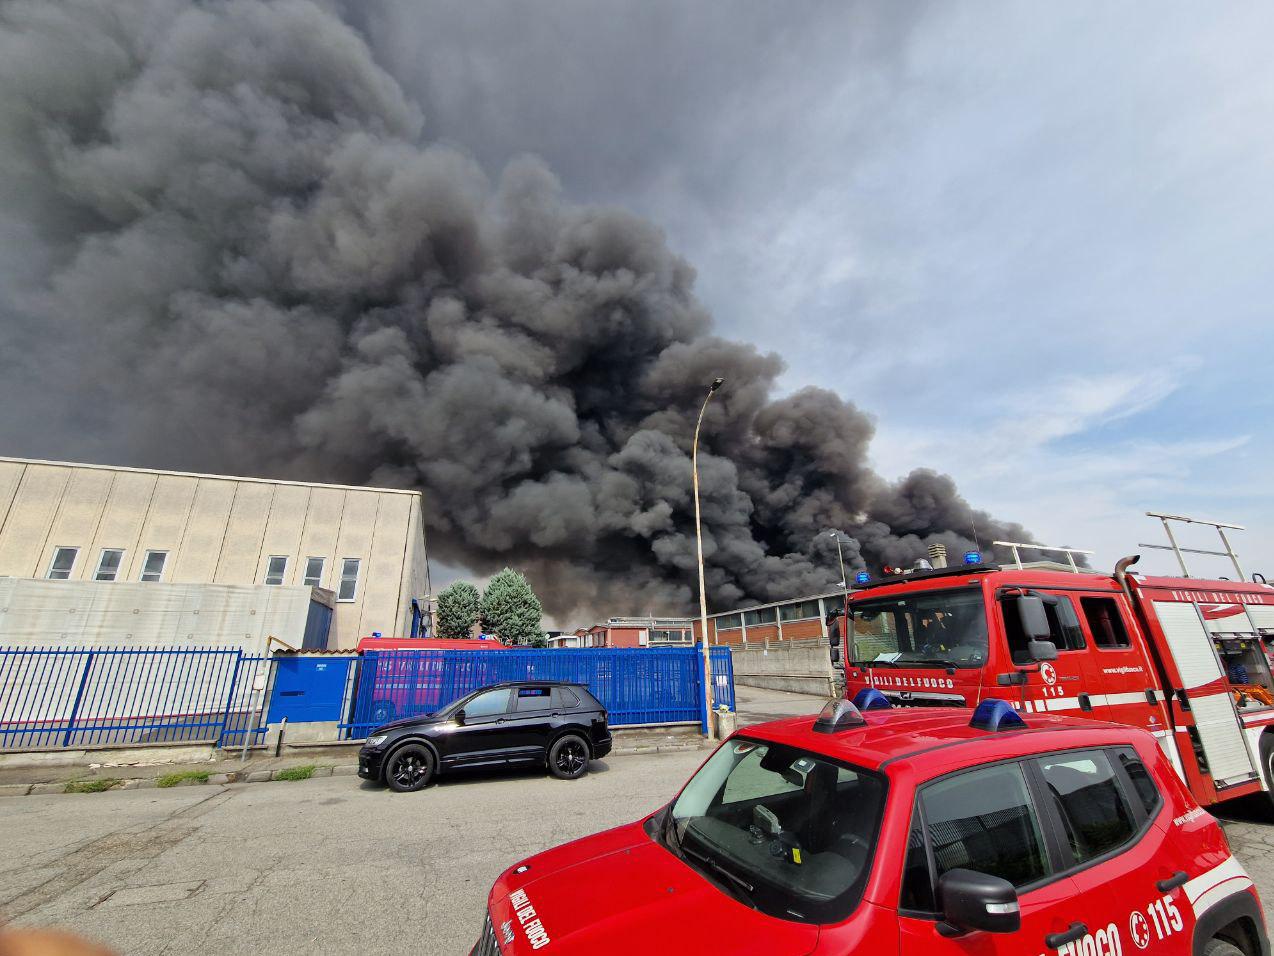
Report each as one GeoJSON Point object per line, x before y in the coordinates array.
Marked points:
{"type": "Point", "coordinates": [348, 588]}
{"type": "Point", "coordinates": [762, 615]}
{"type": "Point", "coordinates": [314, 572]}
{"type": "Point", "coordinates": [108, 564]}
{"type": "Point", "coordinates": [153, 567]}
{"type": "Point", "coordinates": [276, 569]}
{"type": "Point", "coordinates": [799, 611]}
{"type": "Point", "coordinates": [728, 622]}
{"type": "Point", "coordinates": [62, 563]}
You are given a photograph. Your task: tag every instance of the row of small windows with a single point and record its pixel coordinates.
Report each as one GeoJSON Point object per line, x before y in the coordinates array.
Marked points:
{"type": "Point", "coordinates": [276, 571]}
{"type": "Point", "coordinates": [110, 560]}
{"type": "Point", "coordinates": [795, 611]}
{"type": "Point", "coordinates": [108, 564]}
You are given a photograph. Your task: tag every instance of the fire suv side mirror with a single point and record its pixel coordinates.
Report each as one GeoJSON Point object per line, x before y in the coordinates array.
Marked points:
{"type": "Point", "coordinates": [970, 900]}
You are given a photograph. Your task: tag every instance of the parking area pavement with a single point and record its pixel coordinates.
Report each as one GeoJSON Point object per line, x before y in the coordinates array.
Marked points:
{"type": "Point", "coordinates": [335, 865]}
{"type": "Point", "coordinates": [330, 865]}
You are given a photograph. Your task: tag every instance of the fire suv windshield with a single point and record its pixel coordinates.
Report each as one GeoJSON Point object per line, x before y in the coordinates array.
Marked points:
{"type": "Point", "coordinates": [925, 629]}
{"type": "Point", "coordinates": [786, 831]}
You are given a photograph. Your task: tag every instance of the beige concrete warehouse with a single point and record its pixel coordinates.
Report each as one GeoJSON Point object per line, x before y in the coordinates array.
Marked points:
{"type": "Point", "coordinates": [94, 523]}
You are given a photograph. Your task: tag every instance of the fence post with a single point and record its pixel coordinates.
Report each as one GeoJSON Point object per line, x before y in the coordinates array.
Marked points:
{"type": "Point", "coordinates": [234, 683]}
{"type": "Point", "coordinates": [79, 696]}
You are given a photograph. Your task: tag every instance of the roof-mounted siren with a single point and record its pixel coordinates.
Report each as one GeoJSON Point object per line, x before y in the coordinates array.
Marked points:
{"type": "Point", "coordinates": [836, 716]}
{"type": "Point", "coordinates": [996, 715]}
{"type": "Point", "coordinates": [1181, 552]}
{"type": "Point", "coordinates": [1017, 557]}
{"type": "Point", "coordinates": [938, 555]}
{"type": "Point", "coordinates": [871, 699]}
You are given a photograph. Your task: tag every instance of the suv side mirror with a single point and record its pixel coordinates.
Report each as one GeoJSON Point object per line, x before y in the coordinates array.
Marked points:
{"type": "Point", "coordinates": [459, 717]}
{"type": "Point", "coordinates": [970, 900]}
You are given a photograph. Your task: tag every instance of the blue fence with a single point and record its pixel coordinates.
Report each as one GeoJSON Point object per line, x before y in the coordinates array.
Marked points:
{"type": "Point", "coordinates": [636, 685]}
{"type": "Point", "coordinates": [81, 697]}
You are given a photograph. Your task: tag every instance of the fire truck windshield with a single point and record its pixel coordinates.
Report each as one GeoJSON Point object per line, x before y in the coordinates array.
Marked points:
{"type": "Point", "coordinates": [785, 831]}
{"type": "Point", "coordinates": [925, 629]}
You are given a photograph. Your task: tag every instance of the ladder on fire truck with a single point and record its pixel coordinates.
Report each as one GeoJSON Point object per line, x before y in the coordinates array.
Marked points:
{"type": "Point", "coordinates": [1181, 552]}
{"type": "Point", "coordinates": [1017, 557]}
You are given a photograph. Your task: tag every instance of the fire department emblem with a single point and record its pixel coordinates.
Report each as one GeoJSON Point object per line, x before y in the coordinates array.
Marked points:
{"type": "Point", "coordinates": [1049, 674]}
{"type": "Point", "coordinates": [1139, 929]}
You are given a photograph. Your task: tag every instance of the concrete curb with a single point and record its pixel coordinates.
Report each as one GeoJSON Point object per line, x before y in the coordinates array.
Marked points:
{"type": "Point", "coordinates": [216, 780]}
{"type": "Point", "coordinates": [266, 776]}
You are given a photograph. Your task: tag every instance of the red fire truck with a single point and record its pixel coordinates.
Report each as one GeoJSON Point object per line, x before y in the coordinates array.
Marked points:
{"type": "Point", "coordinates": [1187, 659]}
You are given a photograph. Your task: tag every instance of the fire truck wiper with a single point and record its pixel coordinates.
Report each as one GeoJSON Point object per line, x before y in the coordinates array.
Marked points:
{"type": "Point", "coordinates": [929, 662]}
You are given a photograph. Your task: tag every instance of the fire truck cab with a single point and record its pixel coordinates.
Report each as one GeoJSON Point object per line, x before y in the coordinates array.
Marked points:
{"type": "Point", "coordinates": [1184, 658]}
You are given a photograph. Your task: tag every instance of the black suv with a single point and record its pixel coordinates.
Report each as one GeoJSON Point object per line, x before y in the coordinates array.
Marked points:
{"type": "Point", "coordinates": [548, 723]}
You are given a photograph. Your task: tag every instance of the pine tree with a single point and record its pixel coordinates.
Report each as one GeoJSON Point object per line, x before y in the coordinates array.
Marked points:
{"type": "Point", "coordinates": [511, 609]}
{"type": "Point", "coordinates": [458, 609]}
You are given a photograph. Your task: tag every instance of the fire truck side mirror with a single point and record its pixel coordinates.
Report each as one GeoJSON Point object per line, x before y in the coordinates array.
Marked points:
{"type": "Point", "coordinates": [1032, 617]}
{"type": "Point", "coordinates": [835, 649]}
{"type": "Point", "coordinates": [1042, 650]}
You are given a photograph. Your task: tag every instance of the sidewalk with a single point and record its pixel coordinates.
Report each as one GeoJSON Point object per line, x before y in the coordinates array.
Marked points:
{"type": "Point", "coordinates": [95, 775]}
{"type": "Point", "coordinates": [755, 705]}
{"type": "Point", "coordinates": [19, 781]}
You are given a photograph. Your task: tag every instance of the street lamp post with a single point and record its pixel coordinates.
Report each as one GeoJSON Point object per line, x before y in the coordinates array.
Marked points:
{"type": "Point", "coordinates": [844, 581]}
{"type": "Point", "coordinates": [703, 594]}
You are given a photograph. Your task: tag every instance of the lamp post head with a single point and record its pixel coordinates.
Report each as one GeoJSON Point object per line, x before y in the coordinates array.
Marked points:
{"type": "Point", "coordinates": [716, 384]}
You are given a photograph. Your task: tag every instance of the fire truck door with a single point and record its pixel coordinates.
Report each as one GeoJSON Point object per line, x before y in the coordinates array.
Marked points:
{"type": "Point", "coordinates": [1208, 693]}
{"type": "Point", "coordinates": [1121, 680]}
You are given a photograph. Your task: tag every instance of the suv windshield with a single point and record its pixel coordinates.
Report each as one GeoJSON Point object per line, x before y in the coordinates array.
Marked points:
{"type": "Point", "coordinates": [784, 830]}
{"type": "Point", "coordinates": [926, 629]}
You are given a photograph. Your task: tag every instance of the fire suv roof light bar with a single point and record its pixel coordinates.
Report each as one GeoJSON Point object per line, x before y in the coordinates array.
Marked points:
{"type": "Point", "coordinates": [838, 715]}
{"type": "Point", "coordinates": [871, 699]}
{"type": "Point", "coordinates": [996, 715]}
{"type": "Point", "coordinates": [1017, 558]}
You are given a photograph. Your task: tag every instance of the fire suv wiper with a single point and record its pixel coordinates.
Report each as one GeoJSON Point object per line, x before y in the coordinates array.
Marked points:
{"type": "Point", "coordinates": [746, 888]}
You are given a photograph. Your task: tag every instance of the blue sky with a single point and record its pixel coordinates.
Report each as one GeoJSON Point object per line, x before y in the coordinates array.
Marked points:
{"type": "Point", "coordinates": [1032, 240]}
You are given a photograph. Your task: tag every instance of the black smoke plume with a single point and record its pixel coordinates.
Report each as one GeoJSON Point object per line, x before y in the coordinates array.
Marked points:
{"type": "Point", "coordinates": [231, 247]}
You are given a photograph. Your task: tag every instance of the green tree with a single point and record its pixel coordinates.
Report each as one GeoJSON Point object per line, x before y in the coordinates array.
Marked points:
{"type": "Point", "coordinates": [458, 609]}
{"type": "Point", "coordinates": [511, 609]}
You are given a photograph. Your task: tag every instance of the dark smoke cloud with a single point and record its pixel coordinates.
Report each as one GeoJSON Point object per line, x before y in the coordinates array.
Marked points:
{"type": "Point", "coordinates": [240, 254]}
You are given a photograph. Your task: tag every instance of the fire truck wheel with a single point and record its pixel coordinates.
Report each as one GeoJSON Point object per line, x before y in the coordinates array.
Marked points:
{"type": "Point", "coordinates": [568, 757]}
{"type": "Point", "coordinates": [1267, 763]}
{"type": "Point", "coordinates": [409, 768]}
{"type": "Point", "coordinates": [1221, 947]}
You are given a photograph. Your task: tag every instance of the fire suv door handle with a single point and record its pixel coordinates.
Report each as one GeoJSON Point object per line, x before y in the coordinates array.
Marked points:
{"type": "Point", "coordinates": [1171, 883]}
{"type": "Point", "coordinates": [1058, 940]}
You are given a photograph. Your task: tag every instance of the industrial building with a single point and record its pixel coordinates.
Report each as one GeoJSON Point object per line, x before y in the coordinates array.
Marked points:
{"type": "Point", "coordinates": [795, 619]}
{"type": "Point", "coordinates": [630, 632]}
{"type": "Point", "coordinates": [130, 555]}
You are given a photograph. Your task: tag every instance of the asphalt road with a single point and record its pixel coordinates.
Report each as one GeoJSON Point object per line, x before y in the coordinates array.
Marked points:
{"type": "Point", "coordinates": [334, 865]}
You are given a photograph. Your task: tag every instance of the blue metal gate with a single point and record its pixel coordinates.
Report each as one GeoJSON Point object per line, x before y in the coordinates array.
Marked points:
{"type": "Point", "coordinates": [636, 685]}
{"type": "Point", "coordinates": [83, 697]}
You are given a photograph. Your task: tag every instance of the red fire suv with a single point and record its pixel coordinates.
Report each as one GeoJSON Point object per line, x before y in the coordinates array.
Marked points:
{"type": "Point", "coordinates": [873, 830]}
